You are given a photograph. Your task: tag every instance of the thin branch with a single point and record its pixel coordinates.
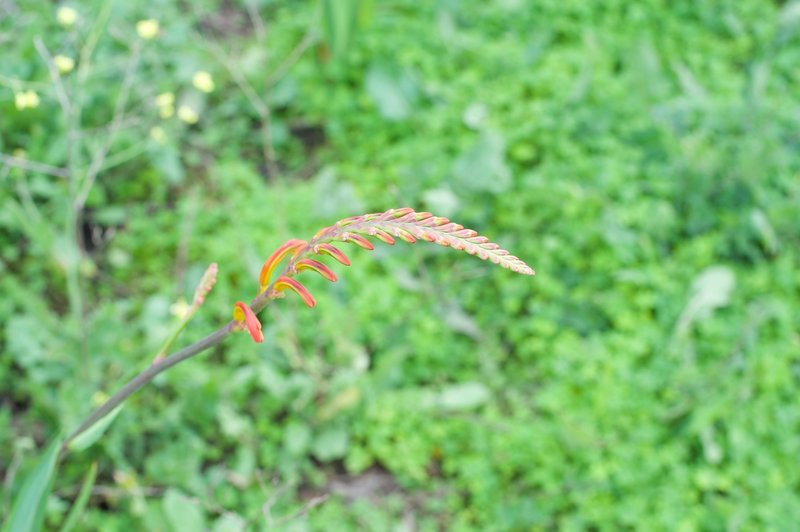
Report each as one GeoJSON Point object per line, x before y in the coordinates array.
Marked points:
{"type": "Point", "coordinates": [255, 18]}
{"type": "Point", "coordinates": [293, 57]}
{"type": "Point", "coordinates": [259, 105]}
{"type": "Point", "coordinates": [116, 123]}
{"type": "Point", "coordinates": [33, 166]}
{"type": "Point", "coordinates": [302, 512]}
{"type": "Point", "coordinates": [19, 84]}
{"type": "Point", "coordinates": [128, 122]}
{"type": "Point", "coordinates": [61, 92]}
{"type": "Point", "coordinates": [96, 32]}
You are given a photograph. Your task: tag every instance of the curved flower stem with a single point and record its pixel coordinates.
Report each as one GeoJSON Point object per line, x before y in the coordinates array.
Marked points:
{"type": "Point", "coordinates": [162, 353]}
{"type": "Point", "coordinates": [146, 376]}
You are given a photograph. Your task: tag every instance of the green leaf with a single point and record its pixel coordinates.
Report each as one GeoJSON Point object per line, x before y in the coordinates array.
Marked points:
{"type": "Point", "coordinates": [463, 396]}
{"type": "Point", "coordinates": [392, 89]}
{"type": "Point", "coordinates": [92, 434]}
{"type": "Point", "coordinates": [338, 21]}
{"type": "Point", "coordinates": [483, 167]}
{"type": "Point", "coordinates": [331, 443]}
{"type": "Point", "coordinates": [182, 513]}
{"type": "Point", "coordinates": [229, 523]}
{"type": "Point", "coordinates": [80, 503]}
{"type": "Point", "coordinates": [711, 290]}
{"type": "Point", "coordinates": [27, 514]}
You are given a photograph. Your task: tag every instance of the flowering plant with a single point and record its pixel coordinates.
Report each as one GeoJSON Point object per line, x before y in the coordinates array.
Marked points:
{"type": "Point", "coordinates": [404, 224]}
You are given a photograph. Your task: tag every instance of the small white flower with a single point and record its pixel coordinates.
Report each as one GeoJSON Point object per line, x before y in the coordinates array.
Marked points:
{"type": "Point", "coordinates": [64, 64]}
{"type": "Point", "coordinates": [187, 114]}
{"type": "Point", "coordinates": [66, 16]}
{"type": "Point", "coordinates": [26, 99]}
{"type": "Point", "coordinates": [147, 29]}
{"type": "Point", "coordinates": [203, 81]}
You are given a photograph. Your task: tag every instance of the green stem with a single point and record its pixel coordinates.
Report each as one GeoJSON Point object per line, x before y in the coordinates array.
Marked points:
{"type": "Point", "coordinates": [162, 353]}
{"type": "Point", "coordinates": [146, 376]}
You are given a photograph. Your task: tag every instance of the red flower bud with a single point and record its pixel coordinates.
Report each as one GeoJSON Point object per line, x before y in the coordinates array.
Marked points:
{"type": "Point", "coordinates": [244, 314]}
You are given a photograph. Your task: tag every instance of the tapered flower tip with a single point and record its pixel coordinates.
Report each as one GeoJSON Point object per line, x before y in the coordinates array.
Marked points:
{"type": "Point", "coordinates": [336, 253]}
{"type": "Point", "coordinates": [206, 284]}
{"type": "Point", "coordinates": [381, 235]}
{"type": "Point", "coordinates": [245, 315]}
{"type": "Point", "coordinates": [289, 248]}
{"type": "Point", "coordinates": [311, 264]}
{"type": "Point", "coordinates": [358, 240]}
{"type": "Point", "coordinates": [287, 282]}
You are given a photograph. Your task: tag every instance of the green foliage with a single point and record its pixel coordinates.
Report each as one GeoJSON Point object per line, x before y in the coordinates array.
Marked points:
{"type": "Point", "coordinates": [27, 514]}
{"type": "Point", "coordinates": [641, 156]}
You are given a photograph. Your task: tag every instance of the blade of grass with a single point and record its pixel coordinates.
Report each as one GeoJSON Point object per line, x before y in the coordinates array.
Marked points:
{"type": "Point", "coordinates": [27, 514]}
{"type": "Point", "coordinates": [80, 502]}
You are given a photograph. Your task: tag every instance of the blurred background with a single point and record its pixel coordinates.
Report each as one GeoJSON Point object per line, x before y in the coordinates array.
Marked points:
{"type": "Point", "coordinates": [641, 156]}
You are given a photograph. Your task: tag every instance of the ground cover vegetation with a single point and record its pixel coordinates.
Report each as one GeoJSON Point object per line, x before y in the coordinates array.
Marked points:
{"type": "Point", "coordinates": [641, 156]}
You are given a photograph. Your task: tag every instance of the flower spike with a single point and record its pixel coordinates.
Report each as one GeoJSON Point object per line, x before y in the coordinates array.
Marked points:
{"type": "Point", "coordinates": [244, 315]}
{"type": "Point", "coordinates": [205, 285]}
{"type": "Point", "coordinates": [336, 253]}
{"type": "Point", "coordinates": [411, 226]}
{"type": "Point", "coordinates": [292, 246]}
{"type": "Point", "coordinates": [311, 264]}
{"type": "Point", "coordinates": [287, 282]}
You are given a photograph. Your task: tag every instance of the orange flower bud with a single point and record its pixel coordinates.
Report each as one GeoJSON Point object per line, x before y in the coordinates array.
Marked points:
{"type": "Point", "coordinates": [327, 249]}
{"type": "Point", "coordinates": [292, 246]}
{"type": "Point", "coordinates": [311, 264]}
{"type": "Point", "coordinates": [287, 282]}
{"type": "Point", "coordinates": [383, 236]}
{"type": "Point", "coordinates": [244, 314]}
{"type": "Point", "coordinates": [358, 240]}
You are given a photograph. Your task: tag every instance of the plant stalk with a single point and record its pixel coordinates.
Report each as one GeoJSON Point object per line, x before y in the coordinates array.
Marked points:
{"type": "Point", "coordinates": [146, 376]}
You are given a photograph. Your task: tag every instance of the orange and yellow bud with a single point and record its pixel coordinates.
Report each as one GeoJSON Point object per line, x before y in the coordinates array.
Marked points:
{"type": "Point", "coordinates": [383, 236]}
{"type": "Point", "coordinates": [328, 249]}
{"type": "Point", "coordinates": [311, 264]}
{"type": "Point", "coordinates": [287, 282]}
{"type": "Point", "coordinates": [292, 247]}
{"type": "Point", "coordinates": [358, 240]}
{"type": "Point", "coordinates": [404, 235]}
{"type": "Point", "coordinates": [245, 315]}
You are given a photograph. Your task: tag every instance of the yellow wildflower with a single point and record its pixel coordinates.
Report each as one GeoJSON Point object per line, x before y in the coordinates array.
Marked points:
{"type": "Point", "coordinates": [147, 29]}
{"type": "Point", "coordinates": [26, 99]}
{"type": "Point", "coordinates": [203, 81]}
{"type": "Point", "coordinates": [98, 398]}
{"type": "Point", "coordinates": [166, 104]}
{"type": "Point", "coordinates": [66, 16]}
{"type": "Point", "coordinates": [180, 308]}
{"type": "Point", "coordinates": [165, 99]}
{"type": "Point", "coordinates": [187, 114]}
{"type": "Point", "coordinates": [64, 64]}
